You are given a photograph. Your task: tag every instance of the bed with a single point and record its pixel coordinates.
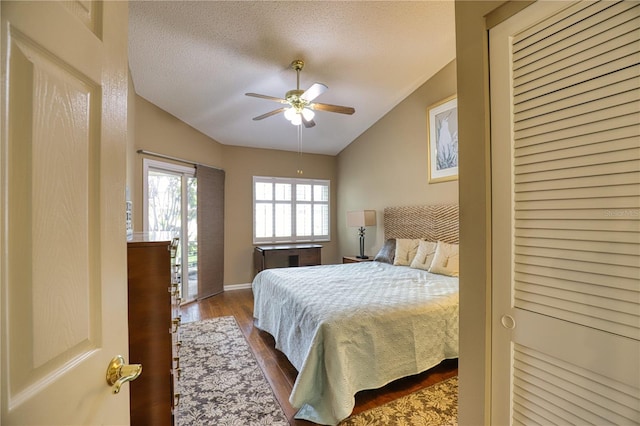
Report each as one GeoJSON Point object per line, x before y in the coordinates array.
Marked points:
{"type": "Point", "coordinates": [358, 326]}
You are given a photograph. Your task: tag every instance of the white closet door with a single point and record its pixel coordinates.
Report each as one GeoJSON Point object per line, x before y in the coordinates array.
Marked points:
{"type": "Point", "coordinates": [565, 123]}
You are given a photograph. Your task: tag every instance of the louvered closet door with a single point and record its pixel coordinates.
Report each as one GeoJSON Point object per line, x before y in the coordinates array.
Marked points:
{"type": "Point", "coordinates": [565, 122]}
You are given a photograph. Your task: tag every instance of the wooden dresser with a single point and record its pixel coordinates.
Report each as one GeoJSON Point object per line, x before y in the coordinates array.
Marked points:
{"type": "Point", "coordinates": [266, 257]}
{"type": "Point", "coordinates": [154, 321]}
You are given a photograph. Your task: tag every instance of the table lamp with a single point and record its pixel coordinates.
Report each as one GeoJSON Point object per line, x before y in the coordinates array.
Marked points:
{"type": "Point", "coordinates": [360, 219]}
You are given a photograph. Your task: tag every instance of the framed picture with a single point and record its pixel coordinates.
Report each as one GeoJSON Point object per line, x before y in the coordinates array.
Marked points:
{"type": "Point", "coordinates": [442, 124]}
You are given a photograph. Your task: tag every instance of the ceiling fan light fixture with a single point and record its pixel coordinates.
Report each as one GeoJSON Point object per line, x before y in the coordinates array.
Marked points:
{"type": "Point", "coordinates": [301, 102]}
{"type": "Point", "coordinates": [296, 120]}
{"type": "Point", "coordinates": [290, 113]}
{"type": "Point", "coordinates": [308, 114]}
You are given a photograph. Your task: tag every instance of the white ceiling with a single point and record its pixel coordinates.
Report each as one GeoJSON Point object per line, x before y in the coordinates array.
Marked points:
{"type": "Point", "coordinates": [197, 59]}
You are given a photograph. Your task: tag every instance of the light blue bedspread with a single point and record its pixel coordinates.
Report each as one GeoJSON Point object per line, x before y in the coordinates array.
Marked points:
{"type": "Point", "coordinates": [356, 326]}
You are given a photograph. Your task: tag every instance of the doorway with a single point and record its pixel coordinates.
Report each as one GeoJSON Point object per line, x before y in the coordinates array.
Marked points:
{"type": "Point", "coordinates": [170, 210]}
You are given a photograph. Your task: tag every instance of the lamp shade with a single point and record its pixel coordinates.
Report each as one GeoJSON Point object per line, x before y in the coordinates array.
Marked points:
{"type": "Point", "coordinates": [289, 113]}
{"type": "Point", "coordinates": [296, 120]}
{"type": "Point", "coordinates": [361, 218]}
{"type": "Point", "coordinates": [308, 114]}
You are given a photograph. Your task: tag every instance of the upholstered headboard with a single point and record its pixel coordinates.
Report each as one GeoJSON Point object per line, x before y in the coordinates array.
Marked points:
{"type": "Point", "coordinates": [431, 222]}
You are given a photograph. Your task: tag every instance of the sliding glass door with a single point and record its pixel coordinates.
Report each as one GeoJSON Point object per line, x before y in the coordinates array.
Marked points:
{"type": "Point", "coordinates": [170, 210]}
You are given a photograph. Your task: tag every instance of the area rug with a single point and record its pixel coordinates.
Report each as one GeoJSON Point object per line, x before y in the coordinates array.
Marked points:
{"type": "Point", "coordinates": [436, 405]}
{"type": "Point", "coordinates": [220, 382]}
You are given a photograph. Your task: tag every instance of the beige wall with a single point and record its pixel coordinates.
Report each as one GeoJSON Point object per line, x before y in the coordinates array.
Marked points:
{"type": "Point", "coordinates": [387, 165]}
{"type": "Point", "coordinates": [241, 164]}
{"type": "Point", "coordinates": [160, 132]}
{"type": "Point", "coordinates": [474, 362]}
{"type": "Point", "coordinates": [131, 137]}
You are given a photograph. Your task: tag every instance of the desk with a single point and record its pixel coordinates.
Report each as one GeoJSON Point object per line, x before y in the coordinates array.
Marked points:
{"type": "Point", "coordinates": [284, 256]}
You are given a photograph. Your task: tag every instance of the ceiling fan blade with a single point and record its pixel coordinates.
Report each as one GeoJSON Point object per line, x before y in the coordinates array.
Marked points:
{"type": "Point", "coordinates": [269, 114]}
{"type": "Point", "coordinates": [308, 124]}
{"type": "Point", "coordinates": [332, 108]}
{"type": "Point", "coordinates": [270, 98]}
{"type": "Point", "coordinates": [314, 91]}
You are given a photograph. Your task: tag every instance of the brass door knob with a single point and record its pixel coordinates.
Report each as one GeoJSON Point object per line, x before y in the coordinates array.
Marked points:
{"type": "Point", "coordinates": [119, 373]}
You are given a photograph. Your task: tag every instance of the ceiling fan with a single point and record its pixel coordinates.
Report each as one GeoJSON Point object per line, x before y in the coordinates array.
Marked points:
{"type": "Point", "coordinates": [300, 106]}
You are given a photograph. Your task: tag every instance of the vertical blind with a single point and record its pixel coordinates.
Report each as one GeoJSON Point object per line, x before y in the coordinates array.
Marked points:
{"type": "Point", "coordinates": [210, 231]}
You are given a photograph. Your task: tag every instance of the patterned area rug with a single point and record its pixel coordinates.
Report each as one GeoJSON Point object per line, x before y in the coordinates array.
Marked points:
{"type": "Point", "coordinates": [221, 383]}
{"type": "Point", "coordinates": [436, 405]}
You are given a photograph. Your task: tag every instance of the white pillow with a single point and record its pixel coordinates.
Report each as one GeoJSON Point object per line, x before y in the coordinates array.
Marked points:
{"type": "Point", "coordinates": [406, 250]}
{"type": "Point", "coordinates": [446, 260]}
{"type": "Point", "coordinates": [424, 255]}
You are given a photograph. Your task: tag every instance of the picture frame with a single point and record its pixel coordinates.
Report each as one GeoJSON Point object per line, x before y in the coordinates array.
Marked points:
{"type": "Point", "coordinates": [442, 140]}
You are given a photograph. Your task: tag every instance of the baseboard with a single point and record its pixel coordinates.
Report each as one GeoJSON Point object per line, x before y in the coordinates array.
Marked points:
{"type": "Point", "coordinates": [232, 287]}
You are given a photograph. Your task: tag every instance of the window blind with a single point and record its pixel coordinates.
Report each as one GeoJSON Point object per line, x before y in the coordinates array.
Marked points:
{"type": "Point", "coordinates": [210, 231]}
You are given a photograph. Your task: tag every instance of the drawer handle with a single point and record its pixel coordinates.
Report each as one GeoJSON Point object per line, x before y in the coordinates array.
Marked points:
{"type": "Point", "coordinates": [175, 324]}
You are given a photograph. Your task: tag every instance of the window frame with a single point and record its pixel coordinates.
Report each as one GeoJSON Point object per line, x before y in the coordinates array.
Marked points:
{"type": "Point", "coordinates": [184, 172]}
{"type": "Point", "coordinates": [293, 238]}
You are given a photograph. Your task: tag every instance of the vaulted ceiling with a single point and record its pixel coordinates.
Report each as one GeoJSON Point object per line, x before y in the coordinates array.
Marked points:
{"type": "Point", "coordinates": [197, 59]}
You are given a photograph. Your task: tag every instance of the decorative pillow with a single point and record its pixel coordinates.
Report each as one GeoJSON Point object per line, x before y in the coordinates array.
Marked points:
{"type": "Point", "coordinates": [387, 252]}
{"type": "Point", "coordinates": [446, 260]}
{"type": "Point", "coordinates": [424, 255]}
{"type": "Point", "coordinates": [406, 250]}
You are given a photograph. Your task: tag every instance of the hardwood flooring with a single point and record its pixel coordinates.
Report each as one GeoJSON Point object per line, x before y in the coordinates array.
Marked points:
{"type": "Point", "coordinates": [279, 371]}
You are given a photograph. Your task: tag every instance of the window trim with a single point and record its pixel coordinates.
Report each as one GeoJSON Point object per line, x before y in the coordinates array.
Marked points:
{"type": "Point", "coordinates": [161, 166]}
{"type": "Point", "coordinates": [293, 238]}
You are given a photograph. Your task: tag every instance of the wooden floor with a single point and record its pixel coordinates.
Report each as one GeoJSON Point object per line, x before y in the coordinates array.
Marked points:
{"type": "Point", "coordinates": [279, 371]}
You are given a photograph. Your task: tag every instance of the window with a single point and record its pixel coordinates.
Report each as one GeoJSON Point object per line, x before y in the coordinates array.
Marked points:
{"type": "Point", "coordinates": [170, 210]}
{"type": "Point", "coordinates": [290, 210]}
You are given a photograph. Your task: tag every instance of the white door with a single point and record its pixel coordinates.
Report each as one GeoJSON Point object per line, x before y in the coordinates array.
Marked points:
{"type": "Point", "coordinates": [565, 125]}
{"type": "Point", "coordinates": [63, 261]}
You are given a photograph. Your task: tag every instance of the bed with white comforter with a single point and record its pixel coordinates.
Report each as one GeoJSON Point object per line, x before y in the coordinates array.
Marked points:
{"type": "Point", "coordinates": [356, 326]}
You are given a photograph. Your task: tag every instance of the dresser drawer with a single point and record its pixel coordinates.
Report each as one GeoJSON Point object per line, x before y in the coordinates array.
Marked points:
{"type": "Point", "coordinates": [152, 290]}
{"type": "Point", "coordinates": [309, 257]}
{"type": "Point", "coordinates": [280, 258]}
{"type": "Point", "coordinates": [277, 254]}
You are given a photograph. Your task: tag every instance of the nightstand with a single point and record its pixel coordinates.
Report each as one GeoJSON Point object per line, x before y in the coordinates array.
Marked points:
{"type": "Point", "coordinates": [354, 259]}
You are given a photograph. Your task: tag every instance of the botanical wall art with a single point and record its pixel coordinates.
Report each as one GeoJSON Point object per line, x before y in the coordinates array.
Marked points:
{"type": "Point", "coordinates": [442, 119]}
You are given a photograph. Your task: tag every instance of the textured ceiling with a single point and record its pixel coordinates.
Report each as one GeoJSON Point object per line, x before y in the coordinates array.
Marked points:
{"type": "Point", "coordinates": [196, 60]}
